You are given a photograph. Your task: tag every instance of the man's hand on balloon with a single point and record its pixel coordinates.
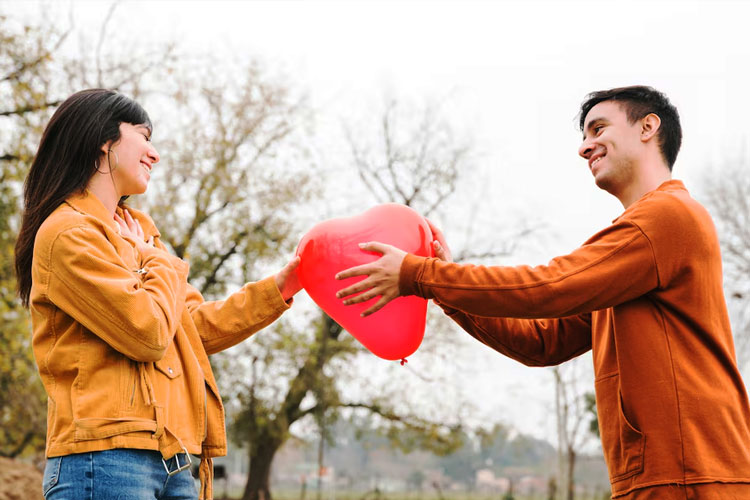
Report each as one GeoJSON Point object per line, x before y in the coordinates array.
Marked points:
{"type": "Point", "coordinates": [383, 274]}
{"type": "Point", "coordinates": [287, 280]}
{"type": "Point", "coordinates": [382, 277]}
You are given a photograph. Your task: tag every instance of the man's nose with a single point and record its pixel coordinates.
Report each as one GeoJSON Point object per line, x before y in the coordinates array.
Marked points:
{"type": "Point", "coordinates": [585, 150]}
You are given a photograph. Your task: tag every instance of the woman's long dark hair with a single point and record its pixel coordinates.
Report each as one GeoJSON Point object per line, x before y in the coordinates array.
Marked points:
{"type": "Point", "coordinates": [67, 157]}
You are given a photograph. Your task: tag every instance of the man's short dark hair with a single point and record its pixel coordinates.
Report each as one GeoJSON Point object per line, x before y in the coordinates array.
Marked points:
{"type": "Point", "coordinates": [637, 102]}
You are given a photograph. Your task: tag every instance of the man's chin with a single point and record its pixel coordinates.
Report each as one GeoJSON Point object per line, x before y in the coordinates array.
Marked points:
{"type": "Point", "coordinates": [605, 183]}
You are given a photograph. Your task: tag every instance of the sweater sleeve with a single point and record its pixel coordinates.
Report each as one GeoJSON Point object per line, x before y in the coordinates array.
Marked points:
{"type": "Point", "coordinates": [135, 311]}
{"type": "Point", "coordinates": [614, 266]}
{"type": "Point", "coordinates": [541, 342]}
{"type": "Point", "coordinates": [224, 323]}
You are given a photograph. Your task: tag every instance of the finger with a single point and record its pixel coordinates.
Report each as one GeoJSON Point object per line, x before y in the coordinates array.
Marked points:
{"type": "Point", "coordinates": [355, 271]}
{"type": "Point", "coordinates": [293, 264]}
{"type": "Point", "coordinates": [439, 250]}
{"type": "Point", "coordinates": [355, 288]}
{"type": "Point", "coordinates": [131, 222]}
{"type": "Point", "coordinates": [150, 241]}
{"type": "Point", "coordinates": [436, 232]}
{"type": "Point", "coordinates": [141, 234]}
{"type": "Point", "coordinates": [362, 297]}
{"type": "Point", "coordinates": [290, 267]}
{"type": "Point", "coordinates": [377, 307]}
{"type": "Point", "coordinates": [120, 223]}
{"type": "Point", "coordinates": [375, 246]}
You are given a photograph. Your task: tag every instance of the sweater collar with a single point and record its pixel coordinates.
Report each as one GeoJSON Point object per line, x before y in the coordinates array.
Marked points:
{"type": "Point", "coordinates": [670, 185]}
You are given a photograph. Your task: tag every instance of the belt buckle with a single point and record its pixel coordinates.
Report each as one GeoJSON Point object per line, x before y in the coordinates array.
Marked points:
{"type": "Point", "coordinates": [179, 468]}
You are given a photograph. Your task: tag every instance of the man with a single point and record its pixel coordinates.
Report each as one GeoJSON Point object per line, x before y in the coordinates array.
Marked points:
{"type": "Point", "coordinates": [645, 294]}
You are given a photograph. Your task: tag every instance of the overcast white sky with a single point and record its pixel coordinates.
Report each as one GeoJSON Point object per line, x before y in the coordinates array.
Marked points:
{"type": "Point", "coordinates": [516, 73]}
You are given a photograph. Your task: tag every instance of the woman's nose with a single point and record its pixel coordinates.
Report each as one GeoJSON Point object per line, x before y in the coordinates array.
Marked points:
{"type": "Point", "coordinates": [153, 154]}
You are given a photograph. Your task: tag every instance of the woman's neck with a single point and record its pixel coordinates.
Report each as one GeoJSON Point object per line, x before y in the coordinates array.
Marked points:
{"type": "Point", "coordinates": [102, 186]}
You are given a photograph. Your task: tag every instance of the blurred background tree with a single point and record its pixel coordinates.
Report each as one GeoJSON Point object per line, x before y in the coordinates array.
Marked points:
{"type": "Point", "coordinates": [727, 196]}
{"type": "Point", "coordinates": [232, 194]}
{"type": "Point", "coordinates": [26, 61]}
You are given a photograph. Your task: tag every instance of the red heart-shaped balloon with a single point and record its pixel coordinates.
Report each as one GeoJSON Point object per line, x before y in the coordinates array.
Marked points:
{"type": "Point", "coordinates": [396, 330]}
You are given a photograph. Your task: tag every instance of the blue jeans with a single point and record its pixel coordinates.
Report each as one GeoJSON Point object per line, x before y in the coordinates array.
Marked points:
{"type": "Point", "coordinates": [118, 474]}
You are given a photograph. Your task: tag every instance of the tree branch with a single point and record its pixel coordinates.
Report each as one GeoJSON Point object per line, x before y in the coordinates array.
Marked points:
{"type": "Point", "coordinates": [31, 108]}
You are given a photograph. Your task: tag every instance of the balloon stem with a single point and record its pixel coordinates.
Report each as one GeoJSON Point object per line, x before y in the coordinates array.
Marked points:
{"type": "Point", "coordinates": [403, 361]}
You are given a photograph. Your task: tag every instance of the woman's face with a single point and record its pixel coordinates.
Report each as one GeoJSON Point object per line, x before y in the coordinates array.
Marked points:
{"type": "Point", "coordinates": [131, 159]}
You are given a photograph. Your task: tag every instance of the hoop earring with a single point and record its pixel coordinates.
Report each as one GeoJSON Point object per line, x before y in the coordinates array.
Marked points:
{"type": "Point", "coordinates": [109, 163]}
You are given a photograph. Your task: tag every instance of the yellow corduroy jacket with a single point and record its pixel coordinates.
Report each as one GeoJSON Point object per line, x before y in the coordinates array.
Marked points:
{"type": "Point", "coordinates": [122, 340]}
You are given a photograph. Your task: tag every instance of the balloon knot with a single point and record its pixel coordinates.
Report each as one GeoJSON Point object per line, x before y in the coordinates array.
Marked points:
{"type": "Point", "coordinates": [403, 361]}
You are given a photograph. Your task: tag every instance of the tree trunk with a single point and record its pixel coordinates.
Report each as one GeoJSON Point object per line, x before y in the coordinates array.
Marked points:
{"type": "Point", "coordinates": [571, 472]}
{"type": "Point", "coordinates": [258, 478]}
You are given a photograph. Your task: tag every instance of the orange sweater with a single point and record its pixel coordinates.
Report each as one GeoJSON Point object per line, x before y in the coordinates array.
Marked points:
{"type": "Point", "coordinates": [646, 295]}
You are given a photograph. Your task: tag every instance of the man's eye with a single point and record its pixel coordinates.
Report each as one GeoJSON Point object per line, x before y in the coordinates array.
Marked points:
{"type": "Point", "coordinates": [598, 129]}
{"type": "Point", "coordinates": [147, 137]}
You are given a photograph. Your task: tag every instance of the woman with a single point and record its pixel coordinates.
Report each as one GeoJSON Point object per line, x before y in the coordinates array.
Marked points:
{"type": "Point", "coordinates": [120, 337]}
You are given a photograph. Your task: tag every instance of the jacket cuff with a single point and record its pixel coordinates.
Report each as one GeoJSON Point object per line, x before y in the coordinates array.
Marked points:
{"type": "Point", "coordinates": [411, 270]}
{"type": "Point", "coordinates": [272, 295]}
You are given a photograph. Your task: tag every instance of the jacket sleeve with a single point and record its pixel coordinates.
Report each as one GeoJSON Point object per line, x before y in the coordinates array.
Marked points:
{"type": "Point", "coordinates": [136, 314]}
{"type": "Point", "coordinates": [224, 323]}
{"type": "Point", "coordinates": [613, 267]}
{"type": "Point", "coordinates": [542, 342]}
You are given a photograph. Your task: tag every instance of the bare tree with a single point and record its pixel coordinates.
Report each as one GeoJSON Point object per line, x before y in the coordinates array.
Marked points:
{"type": "Point", "coordinates": [413, 162]}
{"type": "Point", "coordinates": [727, 196]}
{"type": "Point", "coordinates": [414, 156]}
{"type": "Point", "coordinates": [572, 411]}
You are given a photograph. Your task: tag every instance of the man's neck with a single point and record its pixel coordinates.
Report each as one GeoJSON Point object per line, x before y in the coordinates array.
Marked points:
{"type": "Point", "coordinates": [648, 180]}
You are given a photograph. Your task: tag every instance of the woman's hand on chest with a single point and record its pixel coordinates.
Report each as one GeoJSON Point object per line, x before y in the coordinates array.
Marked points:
{"type": "Point", "coordinates": [131, 229]}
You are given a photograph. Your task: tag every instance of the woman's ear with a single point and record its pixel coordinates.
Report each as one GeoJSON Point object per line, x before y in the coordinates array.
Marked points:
{"type": "Point", "coordinates": [650, 126]}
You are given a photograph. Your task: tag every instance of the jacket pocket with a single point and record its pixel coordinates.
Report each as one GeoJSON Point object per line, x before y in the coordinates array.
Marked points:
{"type": "Point", "coordinates": [51, 474]}
{"type": "Point", "coordinates": [622, 443]}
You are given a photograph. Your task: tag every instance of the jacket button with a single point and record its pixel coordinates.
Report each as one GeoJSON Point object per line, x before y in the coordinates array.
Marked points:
{"type": "Point", "coordinates": [169, 370]}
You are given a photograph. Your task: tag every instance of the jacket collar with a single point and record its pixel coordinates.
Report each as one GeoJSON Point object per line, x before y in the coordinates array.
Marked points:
{"type": "Point", "coordinates": [87, 203]}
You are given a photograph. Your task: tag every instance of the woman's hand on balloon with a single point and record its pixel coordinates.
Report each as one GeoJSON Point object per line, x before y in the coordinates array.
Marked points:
{"type": "Point", "coordinates": [287, 280]}
{"type": "Point", "coordinates": [382, 277]}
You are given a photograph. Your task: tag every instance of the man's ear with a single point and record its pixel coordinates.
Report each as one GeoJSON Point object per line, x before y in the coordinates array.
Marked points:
{"type": "Point", "coordinates": [649, 126]}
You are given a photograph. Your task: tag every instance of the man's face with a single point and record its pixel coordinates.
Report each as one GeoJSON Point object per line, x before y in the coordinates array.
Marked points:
{"type": "Point", "coordinates": [611, 145]}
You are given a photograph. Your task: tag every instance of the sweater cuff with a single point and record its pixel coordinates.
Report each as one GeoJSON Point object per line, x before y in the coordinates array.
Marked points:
{"type": "Point", "coordinates": [411, 269]}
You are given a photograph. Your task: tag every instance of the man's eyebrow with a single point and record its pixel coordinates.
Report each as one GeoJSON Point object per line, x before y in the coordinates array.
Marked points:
{"type": "Point", "coordinates": [590, 125]}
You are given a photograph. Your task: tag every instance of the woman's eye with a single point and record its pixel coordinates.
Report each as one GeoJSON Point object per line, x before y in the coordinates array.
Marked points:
{"type": "Point", "coordinates": [147, 137]}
